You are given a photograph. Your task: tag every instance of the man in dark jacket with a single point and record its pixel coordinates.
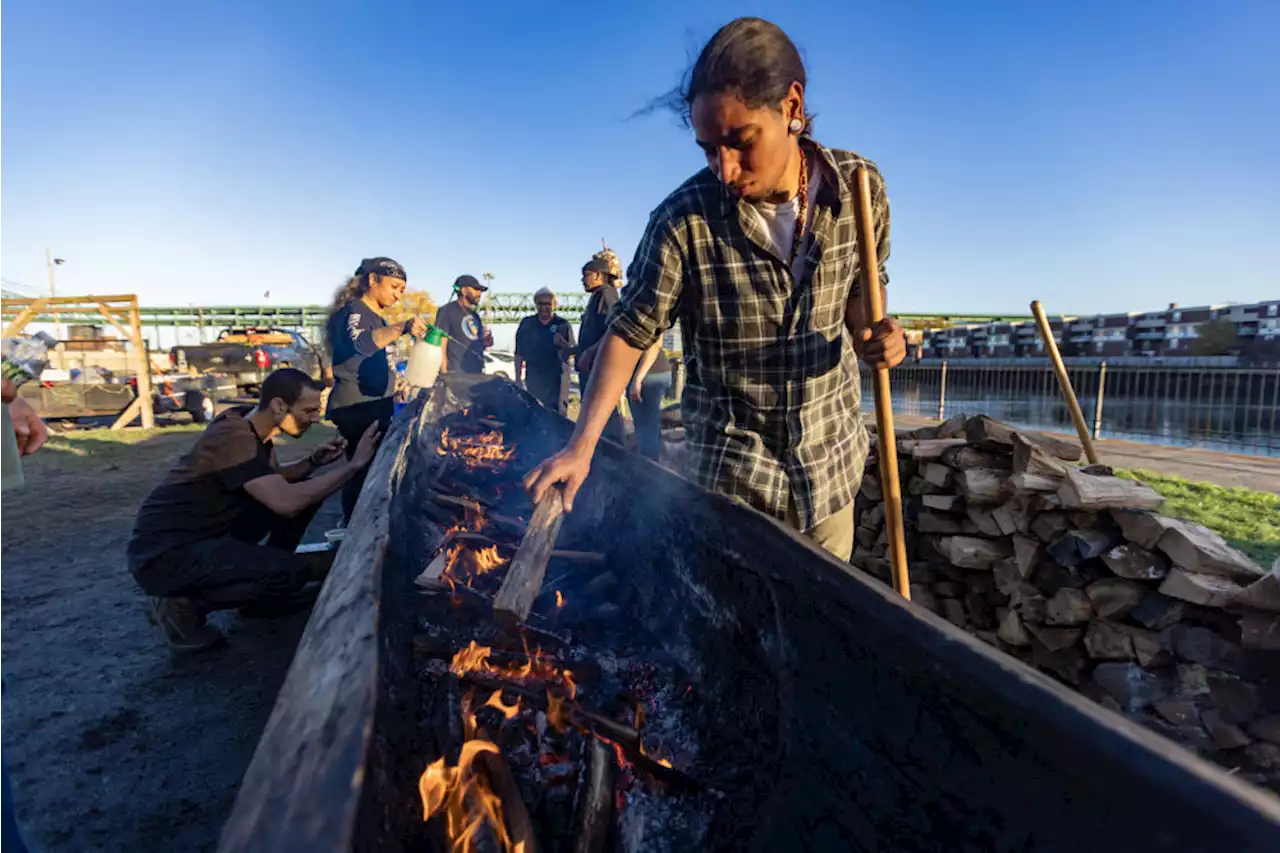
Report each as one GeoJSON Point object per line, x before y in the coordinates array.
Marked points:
{"type": "Point", "coordinates": [601, 282]}
{"type": "Point", "coordinates": [543, 343]}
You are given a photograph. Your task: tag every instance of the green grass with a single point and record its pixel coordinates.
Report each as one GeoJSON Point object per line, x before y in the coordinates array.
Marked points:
{"type": "Point", "coordinates": [1247, 519]}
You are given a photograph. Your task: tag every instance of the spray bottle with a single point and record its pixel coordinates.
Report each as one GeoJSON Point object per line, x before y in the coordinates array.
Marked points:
{"type": "Point", "coordinates": [424, 360]}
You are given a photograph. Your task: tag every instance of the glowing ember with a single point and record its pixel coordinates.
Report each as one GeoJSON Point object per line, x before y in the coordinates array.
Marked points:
{"type": "Point", "coordinates": [488, 559]}
{"type": "Point", "coordinates": [557, 715]}
{"type": "Point", "coordinates": [559, 599]}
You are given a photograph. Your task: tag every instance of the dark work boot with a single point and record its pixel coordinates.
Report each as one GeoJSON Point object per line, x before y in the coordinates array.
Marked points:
{"type": "Point", "coordinates": [184, 625]}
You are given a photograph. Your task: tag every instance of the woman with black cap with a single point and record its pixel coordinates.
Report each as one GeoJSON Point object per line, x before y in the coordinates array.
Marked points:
{"type": "Point", "coordinates": [362, 352]}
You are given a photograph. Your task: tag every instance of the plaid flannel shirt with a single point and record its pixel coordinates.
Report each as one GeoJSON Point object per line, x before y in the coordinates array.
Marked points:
{"type": "Point", "coordinates": [771, 400]}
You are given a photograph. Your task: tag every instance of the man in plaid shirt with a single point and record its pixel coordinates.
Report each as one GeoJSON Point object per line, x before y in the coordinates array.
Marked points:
{"type": "Point", "coordinates": [756, 256]}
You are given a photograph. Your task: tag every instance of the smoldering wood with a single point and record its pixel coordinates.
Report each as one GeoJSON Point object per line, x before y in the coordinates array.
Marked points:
{"type": "Point", "coordinates": [789, 644]}
{"type": "Point", "coordinates": [595, 799]}
{"type": "Point", "coordinates": [523, 581]}
{"type": "Point", "coordinates": [514, 813]}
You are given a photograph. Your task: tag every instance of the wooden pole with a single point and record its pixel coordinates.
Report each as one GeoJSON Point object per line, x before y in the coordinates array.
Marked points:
{"type": "Point", "coordinates": [1064, 382]}
{"type": "Point", "coordinates": [888, 439]}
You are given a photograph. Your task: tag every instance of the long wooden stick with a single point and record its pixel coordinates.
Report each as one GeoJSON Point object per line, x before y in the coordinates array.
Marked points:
{"type": "Point", "coordinates": [520, 587]}
{"type": "Point", "coordinates": [888, 439]}
{"type": "Point", "coordinates": [1064, 381]}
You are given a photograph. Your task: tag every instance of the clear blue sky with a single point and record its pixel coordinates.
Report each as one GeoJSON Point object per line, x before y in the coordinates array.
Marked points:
{"type": "Point", "coordinates": [1100, 156]}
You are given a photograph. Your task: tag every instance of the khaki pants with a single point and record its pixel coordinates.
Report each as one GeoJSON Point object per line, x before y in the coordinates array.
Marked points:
{"type": "Point", "coordinates": [834, 533]}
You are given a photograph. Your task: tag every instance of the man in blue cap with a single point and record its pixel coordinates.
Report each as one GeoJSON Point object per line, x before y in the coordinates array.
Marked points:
{"type": "Point", "coordinates": [460, 321]}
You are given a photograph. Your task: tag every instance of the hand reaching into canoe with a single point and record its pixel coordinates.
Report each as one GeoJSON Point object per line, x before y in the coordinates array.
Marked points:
{"type": "Point", "coordinates": [570, 467]}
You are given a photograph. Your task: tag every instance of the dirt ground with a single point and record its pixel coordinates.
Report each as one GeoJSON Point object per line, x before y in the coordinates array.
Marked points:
{"type": "Point", "coordinates": [111, 742]}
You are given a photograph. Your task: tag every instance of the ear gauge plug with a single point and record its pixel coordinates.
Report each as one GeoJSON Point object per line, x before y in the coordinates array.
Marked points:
{"type": "Point", "coordinates": [796, 125]}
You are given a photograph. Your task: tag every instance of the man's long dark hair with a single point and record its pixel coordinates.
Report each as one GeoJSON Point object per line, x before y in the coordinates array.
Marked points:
{"type": "Point", "coordinates": [749, 57]}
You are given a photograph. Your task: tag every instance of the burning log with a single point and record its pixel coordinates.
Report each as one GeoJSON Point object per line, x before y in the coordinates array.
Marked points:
{"type": "Point", "coordinates": [595, 800]}
{"type": "Point", "coordinates": [524, 579]}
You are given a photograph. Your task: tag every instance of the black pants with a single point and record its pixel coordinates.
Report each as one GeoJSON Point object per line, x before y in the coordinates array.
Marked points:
{"type": "Point", "coordinates": [235, 570]}
{"type": "Point", "coordinates": [351, 422]}
{"type": "Point", "coordinates": [547, 388]}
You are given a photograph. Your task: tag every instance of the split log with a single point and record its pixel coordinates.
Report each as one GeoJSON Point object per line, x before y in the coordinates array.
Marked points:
{"type": "Point", "coordinates": [968, 552]}
{"type": "Point", "coordinates": [937, 474]}
{"type": "Point", "coordinates": [1148, 649]}
{"type": "Point", "coordinates": [981, 485]}
{"type": "Point", "coordinates": [1007, 518]}
{"type": "Point", "coordinates": [1259, 630]}
{"type": "Point", "coordinates": [985, 522]}
{"type": "Point", "coordinates": [514, 813]}
{"type": "Point", "coordinates": [1199, 550]}
{"type": "Point", "coordinates": [963, 456]}
{"type": "Point", "coordinates": [1083, 491]}
{"type": "Point", "coordinates": [1113, 598]}
{"type": "Point", "coordinates": [1141, 528]}
{"type": "Point", "coordinates": [524, 579]}
{"type": "Point", "coordinates": [932, 522]}
{"type": "Point", "coordinates": [1012, 631]}
{"type": "Point", "coordinates": [1028, 458]}
{"type": "Point", "coordinates": [1034, 483]}
{"type": "Point", "coordinates": [952, 427]}
{"type": "Point", "coordinates": [873, 517]}
{"type": "Point", "coordinates": [1158, 612]}
{"type": "Point", "coordinates": [1263, 594]}
{"type": "Point", "coordinates": [1055, 639]}
{"type": "Point", "coordinates": [986, 432]}
{"type": "Point", "coordinates": [942, 503]}
{"type": "Point", "coordinates": [595, 799]}
{"type": "Point", "coordinates": [1068, 607]}
{"type": "Point", "coordinates": [1106, 641]}
{"type": "Point", "coordinates": [1067, 663]}
{"type": "Point", "coordinates": [1134, 562]}
{"type": "Point", "coordinates": [919, 486]}
{"type": "Point", "coordinates": [1208, 590]}
{"type": "Point", "coordinates": [1076, 546]}
{"type": "Point", "coordinates": [931, 449]}
{"type": "Point", "coordinates": [1048, 526]}
{"type": "Point", "coordinates": [1027, 552]}
{"type": "Point", "coordinates": [430, 577]}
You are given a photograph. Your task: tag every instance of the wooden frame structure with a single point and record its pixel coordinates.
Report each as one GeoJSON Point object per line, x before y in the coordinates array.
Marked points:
{"type": "Point", "coordinates": [120, 312]}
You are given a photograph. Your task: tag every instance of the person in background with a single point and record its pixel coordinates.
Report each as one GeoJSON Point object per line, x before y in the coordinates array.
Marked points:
{"type": "Point", "coordinates": [22, 433]}
{"type": "Point", "coordinates": [461, 323]}
{"type": "Point", "coordinates": [195, 544]}
{"type": "Point", "coordinates": [599, 281]}
{"type": "Point", "coordinates": [650, 384]}
{"type": "Point", "coordinates": [543, 344]}
{"type": "Point", "coordinates": [756, 256]}
{"type": "Point", "coordinates": [362, 351]}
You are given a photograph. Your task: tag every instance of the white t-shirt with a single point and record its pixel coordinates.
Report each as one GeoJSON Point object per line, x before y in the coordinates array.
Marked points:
{"type": "Point", "coordinates": [779, 221]}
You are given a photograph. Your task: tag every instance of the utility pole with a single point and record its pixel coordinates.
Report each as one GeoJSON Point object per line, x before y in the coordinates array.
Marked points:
{"type": "Point", "coordinates": [50, 261]}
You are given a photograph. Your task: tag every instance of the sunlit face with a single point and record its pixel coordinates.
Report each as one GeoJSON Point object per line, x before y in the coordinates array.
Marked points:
{"type": "Point", "coordinates": [386, 290]}
{"type": "Point", "coordinates": [471, 295]}
{"type": "Point", "coordinates": [592, 280]}
{"type": "Point", "coordinates": [747, 149]}
{"type": "Point", "coordinates": [302, 415]}
{"type": "Point", "coordinates": [546, 306]}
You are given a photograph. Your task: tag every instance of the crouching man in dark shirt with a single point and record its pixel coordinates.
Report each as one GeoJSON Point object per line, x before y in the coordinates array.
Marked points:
{"type": "Point", "coordinates": [198, 543]}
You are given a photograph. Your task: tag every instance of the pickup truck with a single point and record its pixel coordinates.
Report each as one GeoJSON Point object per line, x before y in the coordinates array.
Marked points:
{"type": "Point", "coordinates": [248, 355]}
{"type": "Point", "coordinates": [56, 399]}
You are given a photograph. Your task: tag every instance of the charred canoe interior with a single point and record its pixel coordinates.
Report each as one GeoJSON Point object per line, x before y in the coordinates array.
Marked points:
{"type": "Point", "coordinates": [690, 676]}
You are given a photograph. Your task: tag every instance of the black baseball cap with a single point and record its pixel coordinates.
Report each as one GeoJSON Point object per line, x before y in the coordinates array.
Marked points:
{"type": "Point", "coordinates": [468, 281]}
{"type": "Point", "coordinates": [381, 266]}
{"type": "Point", "coordinates": [597, 265]}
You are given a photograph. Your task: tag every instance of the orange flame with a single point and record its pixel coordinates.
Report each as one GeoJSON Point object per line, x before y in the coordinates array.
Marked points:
{"type": "Point", "coordinates": [488, 559]}
{"type": "Point", "coordinates": [465, 798]}
{"type": "Point", "coordinates": [508, 711]}
{"type": "Point", "coordinates": [484, 450]}
{"type": "Point", "coordinates": [559, 600]}
{"type": "Point", "coordinates": [557, 716]}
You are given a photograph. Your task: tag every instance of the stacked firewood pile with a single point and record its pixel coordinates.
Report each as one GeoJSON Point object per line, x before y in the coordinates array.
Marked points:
{"type": "Point", "coordinates": [1073, 571]}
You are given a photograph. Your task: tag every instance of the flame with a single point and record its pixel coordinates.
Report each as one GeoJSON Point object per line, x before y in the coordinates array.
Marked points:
{"type": "Point", "coordinates": [475, 658]}
{"type": "Point", "coordinates": [559, 600]}
{"type": "Point", "coordinates": [508, 711]}
{"type": "Point", "coordinates": [471, 659]}
{"type": "Point", "coordinates": [487, 559]}
{"type": "Point", "coordinates": [485, 450]}
{"type": "Point", "coordinates": [557, 715]}
{"type": "Point", "coordinates": [465, 798]}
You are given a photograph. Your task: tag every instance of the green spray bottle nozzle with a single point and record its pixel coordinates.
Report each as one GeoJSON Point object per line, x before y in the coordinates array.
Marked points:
{"type": "Point", "coordinates": [434, 336]}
